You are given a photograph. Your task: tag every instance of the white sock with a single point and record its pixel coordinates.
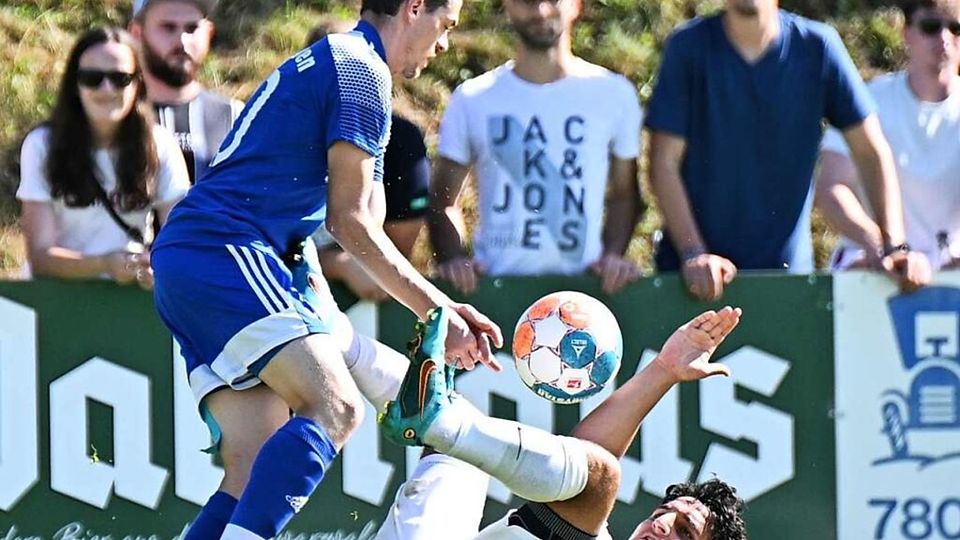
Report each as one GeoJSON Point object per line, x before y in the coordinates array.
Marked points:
{"type": "Point", "coordinates": [535, 465]}
{"type": "Point", "coordinates": [235, 532]}
{"type": "Point", "coordinates": [377, 369]}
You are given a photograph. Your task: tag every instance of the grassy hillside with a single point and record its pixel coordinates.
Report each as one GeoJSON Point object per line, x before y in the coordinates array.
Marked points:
{"type": "Point", "coordinates": [255, 35]}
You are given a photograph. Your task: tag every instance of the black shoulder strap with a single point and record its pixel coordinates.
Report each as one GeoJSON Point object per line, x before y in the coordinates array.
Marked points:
{"type": "Point", "coordinates": [133, 233]}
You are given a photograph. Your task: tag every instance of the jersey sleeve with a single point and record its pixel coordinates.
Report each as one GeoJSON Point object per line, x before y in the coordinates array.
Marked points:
{"type": "Point", "coordinates": [626, 141]}
{"type": "Point", "coordinates": [173, 179]}
{"type": "Point", "coordinates": [360, 103]}
{"type": "Point", "coordinates": [848, 100]}
{"type": "Point", "coordinates": [33, 175]}
{"type": "Point", "coordinates": [454, 139]}
{"type": "Point", "coordinates": [833, 141]}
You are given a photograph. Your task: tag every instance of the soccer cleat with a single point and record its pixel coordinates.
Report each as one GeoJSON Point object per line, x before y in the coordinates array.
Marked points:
{"type": "Point", "coordinates": [424, 391]}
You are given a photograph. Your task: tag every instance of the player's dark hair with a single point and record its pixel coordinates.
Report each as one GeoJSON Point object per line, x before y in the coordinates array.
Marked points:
{"type": "Point", "coordinates": [726, 508]}
{"type": "Point", "coordinates": [911, 7]}
{"type": "Point", "coordinates": [70, 165]}
{"type": "Point", "coordinates": [390, 7]}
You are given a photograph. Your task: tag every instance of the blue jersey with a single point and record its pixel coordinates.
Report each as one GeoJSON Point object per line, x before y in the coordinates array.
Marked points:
{"type": "Point", "coordinates": [268, 182]}
{"type": "Point", "coordinates": [752, 133]}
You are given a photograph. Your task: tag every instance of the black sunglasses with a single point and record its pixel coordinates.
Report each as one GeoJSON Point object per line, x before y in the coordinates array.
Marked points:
{"type": "Point", "coordinates": [93, 78]}
{"type": "Point", "coordinates": [932, 26]}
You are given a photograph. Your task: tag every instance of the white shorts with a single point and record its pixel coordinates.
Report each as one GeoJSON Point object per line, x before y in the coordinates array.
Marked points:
{"type": "Point", "coordinates": [443, 499]}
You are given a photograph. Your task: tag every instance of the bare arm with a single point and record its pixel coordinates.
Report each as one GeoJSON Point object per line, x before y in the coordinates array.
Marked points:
{"type": "Point", "coordinates": [404, 233]}
{"type": "Point", "coordinates": [49, 260]}
{"type": "Point", "coordinates": [666, 155]}
{"type": "Point", "coordinates": [163, 210]}
{"type": "Point", "coordinates": [684, 357]}
{"type": "Point", "coordinates": [446, 225]}
{"type": "Point", "coordinates": [353, 225]}
{"type": "Point", "coordinates": [350, 221]}
{"type": "Point", "coordinates": [624, 205]}
{"type": "Point", "coordinates": [704, 273]}
{"type": "Point", "coordinates": [878, 173]}
{"type": "Point", "coordinates": [836, 198]}
{"type": "Point", "coordinates": [445, 218]}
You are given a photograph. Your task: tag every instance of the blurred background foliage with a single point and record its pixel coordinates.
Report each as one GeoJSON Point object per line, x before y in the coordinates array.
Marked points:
{"type": "Point", "coordinates": [253, 36]}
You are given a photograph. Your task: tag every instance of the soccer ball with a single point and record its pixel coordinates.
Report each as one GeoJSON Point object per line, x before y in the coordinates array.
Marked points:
{"type": "Point", "coordinates": [567, 346]}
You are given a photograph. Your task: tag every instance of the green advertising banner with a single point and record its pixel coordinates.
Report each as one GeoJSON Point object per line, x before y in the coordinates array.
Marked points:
{"type": "Point", "coordinates": [99, 436]}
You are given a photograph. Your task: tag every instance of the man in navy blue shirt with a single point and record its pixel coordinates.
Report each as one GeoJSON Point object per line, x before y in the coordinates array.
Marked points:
{"type": "Point", "coordinates": [307, 149]}
{"type": "Point", "coordinates": [736, 120]}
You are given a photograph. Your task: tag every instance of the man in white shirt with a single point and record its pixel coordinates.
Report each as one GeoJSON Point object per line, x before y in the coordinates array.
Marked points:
{"type": "Point", "coordinates": [553, 142]}
{"type": "Point", "coordinates": [919, 110]}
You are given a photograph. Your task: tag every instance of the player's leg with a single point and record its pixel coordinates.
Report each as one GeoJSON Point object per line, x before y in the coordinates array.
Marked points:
{"type": "Point", "coordinates": [376, 368]}
{"type": "Point", "coordinates": [311, 378]}
{"type": "Point", "coordinates": [237, 316]}
{"type": "Point", "coordinates": [244, 421]}
{"type": "Point", "coordinates": [534, 464]}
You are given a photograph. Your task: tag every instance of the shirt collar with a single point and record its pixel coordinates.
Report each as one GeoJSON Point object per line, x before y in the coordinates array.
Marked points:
{"type": "Point", "coordinates": [373, 37]}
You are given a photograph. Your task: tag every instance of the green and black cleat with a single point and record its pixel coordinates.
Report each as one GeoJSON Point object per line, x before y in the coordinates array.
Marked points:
{"type": "Point", "coordinates": [424, 391]}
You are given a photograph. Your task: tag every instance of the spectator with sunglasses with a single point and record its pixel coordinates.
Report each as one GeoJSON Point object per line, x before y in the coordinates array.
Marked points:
{"type": "Point", "coordinates": [90, 175]}
{"type": "Point", "coordinates": [919, 110]}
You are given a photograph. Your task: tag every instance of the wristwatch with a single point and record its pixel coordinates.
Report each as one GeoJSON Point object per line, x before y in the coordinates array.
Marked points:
{"type": "Point", "coordinates": [899, 248]}
{"type": "Point", "coordinates": [691, 253]}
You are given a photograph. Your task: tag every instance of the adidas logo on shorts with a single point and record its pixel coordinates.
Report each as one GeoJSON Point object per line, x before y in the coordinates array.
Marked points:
{"type": "Point", "coordinates": [297, 503]}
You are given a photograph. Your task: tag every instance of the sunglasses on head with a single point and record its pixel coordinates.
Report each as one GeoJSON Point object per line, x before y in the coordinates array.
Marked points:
{"type": "Point", "coordinates": [93, 78]}
{"type": "Point", "coordinates": [932, 26]}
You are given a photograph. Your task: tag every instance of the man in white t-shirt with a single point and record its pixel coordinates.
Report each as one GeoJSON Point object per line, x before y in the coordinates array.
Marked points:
{"type": "Point", "coordinates": [919, 110]}
{"type": "Point", "coordinates": [553, 142]}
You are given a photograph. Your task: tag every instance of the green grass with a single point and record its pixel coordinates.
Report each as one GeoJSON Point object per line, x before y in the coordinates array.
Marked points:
{"type": "Point", "coordinates": [253, 36]}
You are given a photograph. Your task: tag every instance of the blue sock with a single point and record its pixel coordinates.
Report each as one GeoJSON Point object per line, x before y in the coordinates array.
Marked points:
{"type": "Point", "coordinates": [288, 468]}
{"type": "Point", "coordinates": [213, 518]}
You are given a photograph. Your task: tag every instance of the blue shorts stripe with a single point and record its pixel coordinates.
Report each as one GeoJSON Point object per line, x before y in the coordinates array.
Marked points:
{"type": "Point", "coordinates": [259, 274]}
{"type": "Point", "coordinates": [271, 280]}
{"type": "Point", "coordinates": [254, 286]}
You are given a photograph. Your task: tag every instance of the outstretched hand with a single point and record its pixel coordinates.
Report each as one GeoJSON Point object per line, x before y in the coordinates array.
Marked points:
{"type": "Point", "coordinates": [686, 353]}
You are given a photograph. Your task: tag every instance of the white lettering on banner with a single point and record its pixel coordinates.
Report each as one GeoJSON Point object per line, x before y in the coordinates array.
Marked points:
{"type": "Point", "coordinates": [771, 430]}
{"type": "Point", "coordinates": [368, 532]}
{"type": "Point", "coordinates": [132, 476]}
{"type": "Point", "coordinates": [196, 476]}
{"type": "Point", "coordinates": [19, 452]}
{"type": "Point", "coordinates": [12, 535]}
{"type": "Point", "coordinates": [78, 531]}
{"type": "Point", "coordinates": [366, 476]}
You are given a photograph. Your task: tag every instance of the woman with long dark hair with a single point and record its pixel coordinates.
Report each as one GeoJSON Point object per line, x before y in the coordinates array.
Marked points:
{"type": "Point", "coordinates": [93, 172]}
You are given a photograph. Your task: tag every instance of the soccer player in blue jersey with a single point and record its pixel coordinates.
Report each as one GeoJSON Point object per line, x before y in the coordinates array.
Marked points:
{"type": "Point", "coordinates": [307, 149]}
